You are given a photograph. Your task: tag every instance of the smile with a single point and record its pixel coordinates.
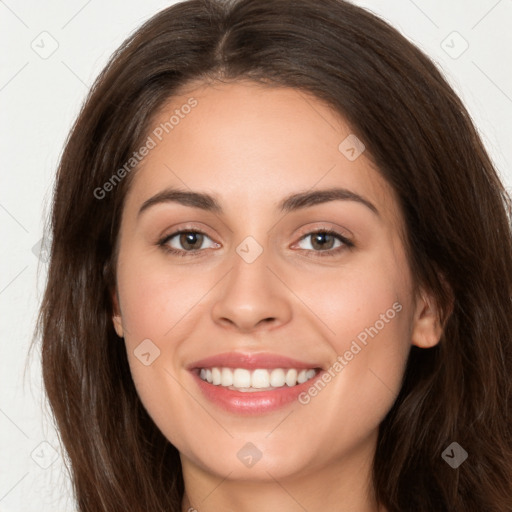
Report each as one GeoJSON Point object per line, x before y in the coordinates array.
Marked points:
{"type": "Point", "coordinates": [260, 379]}
{"type": "Point", "coordinates": [254, 384]}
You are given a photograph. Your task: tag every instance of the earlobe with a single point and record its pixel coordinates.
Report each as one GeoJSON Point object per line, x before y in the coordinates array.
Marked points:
{"type": "Point", "coordinates": [427, 329]}
{"type": "Point", "coordinates": [118, 326]}
{"type": "Point", "coordinates": [116, 317]}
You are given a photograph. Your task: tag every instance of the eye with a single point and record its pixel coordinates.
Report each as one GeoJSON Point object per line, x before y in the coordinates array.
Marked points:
{"type": "Point", "coordinates": [323, 242]}
{"type": "Point", "coordinates": [185, 242]}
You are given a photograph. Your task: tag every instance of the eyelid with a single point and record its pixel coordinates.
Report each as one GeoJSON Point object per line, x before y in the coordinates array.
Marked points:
{"type": "Point", "coordinates": [182, 228]}
{"type": "Point", "coordinates": [343, 234]}
{"type": "Point", "coordinates": [326, 227]}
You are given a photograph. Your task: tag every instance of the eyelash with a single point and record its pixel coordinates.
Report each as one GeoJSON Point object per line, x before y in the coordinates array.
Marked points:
{"type": "Point", "coordinates": [347, 244]}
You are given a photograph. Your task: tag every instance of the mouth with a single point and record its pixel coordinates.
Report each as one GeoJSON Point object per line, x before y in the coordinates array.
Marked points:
{"type": "Point", "coordinates": [253, 383]}
{"type": "Point", "coordinates": [260, 379]}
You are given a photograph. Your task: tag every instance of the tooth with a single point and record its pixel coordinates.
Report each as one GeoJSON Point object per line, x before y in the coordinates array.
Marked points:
{"type": "Point", "coordinates": [260, 379]}
{"type": "Point", "coordinates": [301, 377]}
{"type": "Point", "coordinates": [291, 377]}
{"type": "Point", "coordinates": [226, 377]}
{"type": "Point", "coordinates": [242, 378]}
{"type": "Point", "coordinates": [215, 376]}
{"type": "Point", "coordinates": [277, 378]}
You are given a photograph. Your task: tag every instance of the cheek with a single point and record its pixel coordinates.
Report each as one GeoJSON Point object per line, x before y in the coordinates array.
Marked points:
{"type": "Point", "coordinates": [156, 300]}
{"type": "Point", "coordinates": [367, 317]}
{"type": "Point", "coordinates": [158, 308]}
{"type": "Point", "coordinates": [359, 303]}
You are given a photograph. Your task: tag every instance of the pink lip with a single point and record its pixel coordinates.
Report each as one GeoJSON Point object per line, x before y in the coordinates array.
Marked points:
{"type": "Point", "coordinates": [255, 402]}
{"type": "Point", "coordinates": [251, 361]}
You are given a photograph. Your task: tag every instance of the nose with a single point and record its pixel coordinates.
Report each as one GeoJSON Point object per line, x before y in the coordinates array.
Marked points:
{"type": "Point", "coordinates": [252, 297]}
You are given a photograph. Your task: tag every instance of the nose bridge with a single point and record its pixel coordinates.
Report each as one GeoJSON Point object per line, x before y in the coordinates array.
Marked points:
{"type": "Point", "coordinates": [252, 294]}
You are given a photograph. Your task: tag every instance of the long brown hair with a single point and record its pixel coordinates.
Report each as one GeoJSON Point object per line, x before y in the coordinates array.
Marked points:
{"type": "Point", "coordinates": [459, 243]}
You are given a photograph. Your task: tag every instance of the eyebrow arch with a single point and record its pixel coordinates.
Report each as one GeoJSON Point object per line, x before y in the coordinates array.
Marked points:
{"type": "Point", "coordinates": [305, 199]}
{"type": "Point", "coordinates": [293, 202]}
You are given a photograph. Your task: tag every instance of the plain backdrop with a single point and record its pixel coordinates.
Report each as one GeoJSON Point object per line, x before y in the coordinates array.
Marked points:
{"type": "Point", "coordinates": [51, 53]}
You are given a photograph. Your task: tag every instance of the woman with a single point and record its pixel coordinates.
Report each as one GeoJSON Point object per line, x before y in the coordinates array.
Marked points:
{"type": "Point", "coordinates": [281, 273]}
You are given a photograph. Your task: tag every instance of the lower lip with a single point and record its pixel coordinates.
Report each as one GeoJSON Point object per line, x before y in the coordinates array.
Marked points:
{"type": "Point", "coordinates": [252, 402]}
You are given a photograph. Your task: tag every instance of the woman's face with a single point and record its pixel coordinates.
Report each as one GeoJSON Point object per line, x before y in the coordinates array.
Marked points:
{"type": "Point", "coordinates": [219, 332]}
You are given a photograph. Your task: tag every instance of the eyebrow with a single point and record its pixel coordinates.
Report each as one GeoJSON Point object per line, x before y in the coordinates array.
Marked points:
{"type": "Point", "coordinates": [291, 203]}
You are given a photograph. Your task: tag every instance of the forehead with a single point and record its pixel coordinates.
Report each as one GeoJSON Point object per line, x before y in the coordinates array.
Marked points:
{"type": "Point", "coordinates": [247, 143]}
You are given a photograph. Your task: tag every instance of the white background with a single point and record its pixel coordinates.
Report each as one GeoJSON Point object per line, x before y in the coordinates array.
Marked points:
{"type": "Point", "coordinates": [39, 99]}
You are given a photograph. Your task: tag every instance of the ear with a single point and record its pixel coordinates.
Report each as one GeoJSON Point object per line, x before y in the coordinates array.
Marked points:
{"type": "Point", "coordinates": [116, 317]}
{"type": "Point", "coordinates": [427, 329]}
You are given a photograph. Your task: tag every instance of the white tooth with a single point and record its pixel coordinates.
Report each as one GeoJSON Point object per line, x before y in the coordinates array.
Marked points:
{"type": "Point", "coordinates": [291, 377]}
{"type": "Point", "coordinates": [260, 379]}
{"type": "Point", "coordinates": [301, 377]}
{"type": "Point", "coordinates": [242, 378]}
{"type": "Point", "coordinates": [257, 379]}
{"type": "Point", "coordinates": [226, 377]}
{"type": "Point", "coordinates": [215, 376]}
{"type": "Point", "coordinates": [277, 378]}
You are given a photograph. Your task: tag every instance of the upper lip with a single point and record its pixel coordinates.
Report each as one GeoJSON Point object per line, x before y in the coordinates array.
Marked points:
{"type": "Point", "coordinates": [250, 361]}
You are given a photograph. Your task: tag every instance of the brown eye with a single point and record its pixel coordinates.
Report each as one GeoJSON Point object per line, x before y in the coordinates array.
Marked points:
{"type": "Point", "coordinates": [322, 241]}
{"type": "Point", "coordinates": [186, 243]}
{"type": "Point", "coordinates": [325, 243]}
{"type": "Point", "coordinates": [191, 240]}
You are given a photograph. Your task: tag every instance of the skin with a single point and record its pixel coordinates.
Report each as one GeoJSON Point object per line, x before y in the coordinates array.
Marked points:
{"type": "Point", "coordinates": [251, 146]}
